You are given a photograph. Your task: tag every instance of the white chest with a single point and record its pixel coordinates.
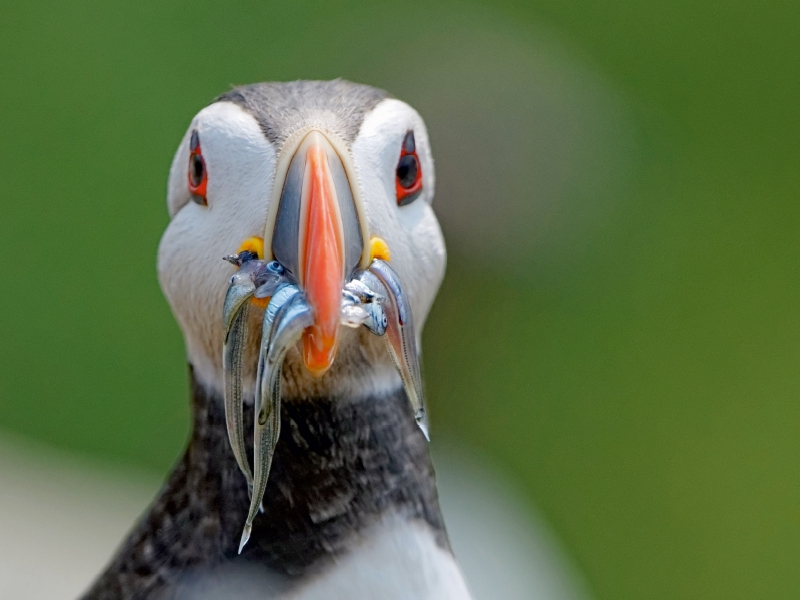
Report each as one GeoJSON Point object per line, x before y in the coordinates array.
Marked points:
{"type": "Point", "coordinates": [395, 560]}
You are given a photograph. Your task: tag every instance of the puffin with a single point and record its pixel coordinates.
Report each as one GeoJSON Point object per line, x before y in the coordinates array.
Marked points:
{"type": "Point", "coordinates": [301, 259]}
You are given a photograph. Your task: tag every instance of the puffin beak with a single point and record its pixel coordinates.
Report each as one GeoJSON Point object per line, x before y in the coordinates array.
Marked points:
{"type": "Point", "coordinates": [318, 274]}
{"type": "Point", "coordinates": [318, 238]}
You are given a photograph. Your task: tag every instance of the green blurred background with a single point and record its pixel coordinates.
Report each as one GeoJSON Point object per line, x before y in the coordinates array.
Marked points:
{"type": "Point", "coordinates": [619, 328]}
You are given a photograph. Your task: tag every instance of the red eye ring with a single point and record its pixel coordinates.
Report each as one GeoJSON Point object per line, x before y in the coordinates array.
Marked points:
{"type": "Point", "coordinates": [408, 174]}
{"type": "Point", "coordinates": [197, 174]}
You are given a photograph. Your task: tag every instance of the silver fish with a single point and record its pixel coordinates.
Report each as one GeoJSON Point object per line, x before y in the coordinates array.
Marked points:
{"type": "Point", "coordinates": [241, 288]}
{"type": "Point", "coordinates": [362, 305]}
{"type": "Point", "coordinates": [400, 336]}
{"type": "Point", "coordinates": [291, 315]}
{"type": "Point", "coordinates": [270, 278]}
{"type": "Point", "coordinates": [235, 315]}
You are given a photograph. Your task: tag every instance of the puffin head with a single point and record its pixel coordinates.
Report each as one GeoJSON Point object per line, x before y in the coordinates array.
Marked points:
{"type": "Point", "coordinates": [322, 178]}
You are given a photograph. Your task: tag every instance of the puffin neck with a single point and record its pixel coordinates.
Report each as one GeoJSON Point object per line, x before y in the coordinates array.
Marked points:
{"type": "Point", "coordinates": [339, 466]}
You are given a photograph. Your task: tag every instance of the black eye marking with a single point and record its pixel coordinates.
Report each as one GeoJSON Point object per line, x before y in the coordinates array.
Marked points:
{"type": "Point", "coordinates": [198, 170]}
{"type": "Point", "coordinates": [408, 175]}
{"type": "Point", "coordinates": [407, 170]}
{"type": "Point", "coordinates": [198, 177]}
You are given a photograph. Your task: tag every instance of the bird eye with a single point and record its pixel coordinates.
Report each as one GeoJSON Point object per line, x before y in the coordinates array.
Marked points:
{"type": "Point", "coordinates": [408, 175]}
{"type": "Point", "coordinates": [198, 176]}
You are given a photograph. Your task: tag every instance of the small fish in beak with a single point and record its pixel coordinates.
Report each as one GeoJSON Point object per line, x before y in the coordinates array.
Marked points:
{"type": "Point", "coordinates": [253, 277]}
{"type": "Point", "coordinates": [317, 274]}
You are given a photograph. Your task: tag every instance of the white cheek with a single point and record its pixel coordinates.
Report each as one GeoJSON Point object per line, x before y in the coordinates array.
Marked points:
{"type": "Point", "coordinates": [426, 241]}
{"type": "Point", "coordinates": [194, 278]}
{"type": "Point", "coordinates": [412, 232]}
{"type": "Point", "coordinates": [240, 162]}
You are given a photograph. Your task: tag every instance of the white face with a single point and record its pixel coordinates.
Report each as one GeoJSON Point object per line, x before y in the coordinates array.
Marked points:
{"type": "Point", "coordinates": [241, 165]}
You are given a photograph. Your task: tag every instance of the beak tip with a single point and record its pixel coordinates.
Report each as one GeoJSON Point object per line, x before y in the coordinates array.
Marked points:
{"type": "Point", "coordinates": [319, 350]}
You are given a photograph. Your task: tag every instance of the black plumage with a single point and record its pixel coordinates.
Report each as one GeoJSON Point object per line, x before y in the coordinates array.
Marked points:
{"type": "Point", "coordinates": [339, 466]}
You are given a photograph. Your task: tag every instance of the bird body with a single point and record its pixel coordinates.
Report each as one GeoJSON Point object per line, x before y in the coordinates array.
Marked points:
{"type": "Point", "coordinates": [350, 512]}
{"type": "Point", "coordinates": [342, 502]}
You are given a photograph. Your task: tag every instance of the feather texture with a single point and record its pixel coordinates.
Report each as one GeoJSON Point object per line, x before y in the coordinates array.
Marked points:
{"type": "Point", "coordinates": [351, 482]}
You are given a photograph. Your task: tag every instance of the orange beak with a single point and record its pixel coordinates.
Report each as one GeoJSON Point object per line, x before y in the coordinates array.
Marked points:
{"type": "Point", "coordinates": [317, 237]}
{"type": "Point", "coordinates": [322, 263]}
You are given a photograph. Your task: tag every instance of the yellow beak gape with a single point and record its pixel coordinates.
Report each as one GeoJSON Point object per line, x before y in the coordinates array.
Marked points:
{"type": "Point", "coordinates": [256, 245]}
{"type": "Point", "coordinates": [378, 249]}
